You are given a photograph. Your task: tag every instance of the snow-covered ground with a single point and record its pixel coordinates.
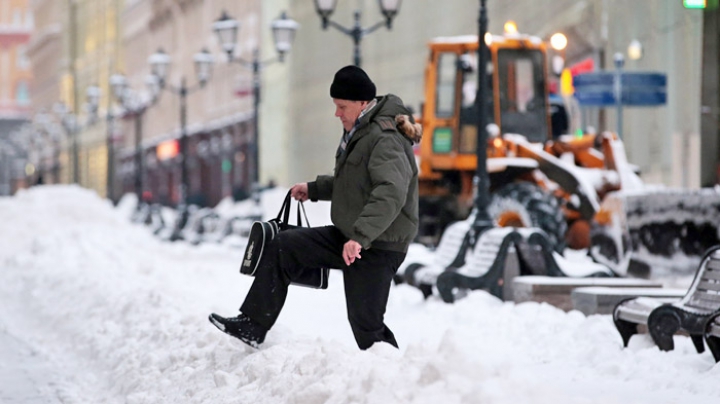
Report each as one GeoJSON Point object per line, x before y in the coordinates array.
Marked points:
{"type": "Point", "coordinates": [115, 315]}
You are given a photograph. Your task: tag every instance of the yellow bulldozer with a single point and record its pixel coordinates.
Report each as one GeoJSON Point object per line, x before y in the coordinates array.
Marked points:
{"type": "Point", "coordinates": [576, 186]}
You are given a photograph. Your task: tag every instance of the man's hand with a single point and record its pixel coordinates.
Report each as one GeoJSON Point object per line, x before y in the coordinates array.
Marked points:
{"type": "Point", "coordinates": [300, 192]}
{"type": "Point", "coordinates": [351, 251]}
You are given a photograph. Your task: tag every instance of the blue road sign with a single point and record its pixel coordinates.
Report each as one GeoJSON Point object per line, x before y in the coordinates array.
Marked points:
{"type": "Point", "coordinates": [638, 88]}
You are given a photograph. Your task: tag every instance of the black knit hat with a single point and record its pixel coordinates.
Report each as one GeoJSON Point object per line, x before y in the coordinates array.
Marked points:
{"type": "Point", "coordinates": [353, 84]}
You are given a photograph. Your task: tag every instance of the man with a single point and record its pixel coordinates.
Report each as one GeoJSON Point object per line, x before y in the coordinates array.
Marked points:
{"type": "Point", "coordinates": [374, 209]}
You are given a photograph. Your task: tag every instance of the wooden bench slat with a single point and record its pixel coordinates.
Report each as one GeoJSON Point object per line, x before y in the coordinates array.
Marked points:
{"type": "Point", "coordinates": [485, 252]}
{"type": "Point", "coordinates": [707, 292]}
{"type": "Point", "coordinates": [602, 300]}
{"type": "Point", "coordinates": [637, 317]}
{"type": "Point", "coordinates": [714, 263]}
{"type": "Point", "coordinates": [450, 243]}
{"type": "Point", "coordinates": [711, 275]}
{"type": "Point", "coordinates": [708, 285]}
{"type": "Point", "coordinates": [637, 310]}
{"type": "Point", "coordinates": [710, 296]}
{"type": "Point", "coordinates": [704, 301]}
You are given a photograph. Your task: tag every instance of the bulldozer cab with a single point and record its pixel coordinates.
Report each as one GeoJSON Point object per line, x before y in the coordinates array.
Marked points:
{"type": "Point", "coordinates": [521, 97]}
{"type": "Point", "coordinates": [517, 103]}
{"type": "Point", "coordinates": [517, 96]}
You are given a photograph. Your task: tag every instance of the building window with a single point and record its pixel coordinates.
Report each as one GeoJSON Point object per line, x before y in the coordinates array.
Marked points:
{"type": "Point", "coordinates": [22, 61]}
{"type": "Point", "coordinates": [29, 19]}
{"type": "Point", "coordinates": [22, 94]}
{"type": "Point", "coordinates": [5, 76]}
{"type": "Point", "coordinates": [17, 18]}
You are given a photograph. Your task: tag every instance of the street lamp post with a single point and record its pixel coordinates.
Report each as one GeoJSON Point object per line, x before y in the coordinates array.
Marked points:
{"type": "Point", "coordinates": [46, 126]}
{"type": "Point", "coordinates": [159, 64]}
{"type": "Point", "coordinates": [482, 180]}
{"type": "Point", "coordinates": [110, 144]}
{"type": "Point", "coordinates": [619, 61]}
{"type": "Point", "coordinates": [69, 122]}
{"type": "Point", "coordinates": [75, 130]}
{"type": "Point", "coordinates": [35, 147]}
{"type": "Point", "coordinates": [72, 128]}
{"type": "Point", "coordinates": [283, 29]}
{"type": "Point", "coordinates": [325, 8]}
{"type": "Point", "coordinates": [135, 104]}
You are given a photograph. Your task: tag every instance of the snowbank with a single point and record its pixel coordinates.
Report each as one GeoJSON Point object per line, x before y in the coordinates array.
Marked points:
{"type": "Point", "coordinates": [121, 316]}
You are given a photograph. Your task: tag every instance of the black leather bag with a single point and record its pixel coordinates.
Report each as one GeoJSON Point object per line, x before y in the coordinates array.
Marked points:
{"type": "Point", "coordinates": [262, 233]}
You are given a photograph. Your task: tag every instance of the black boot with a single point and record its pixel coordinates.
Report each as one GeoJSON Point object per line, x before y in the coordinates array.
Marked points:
{"type": "Point", "coordinates": [240, 327]}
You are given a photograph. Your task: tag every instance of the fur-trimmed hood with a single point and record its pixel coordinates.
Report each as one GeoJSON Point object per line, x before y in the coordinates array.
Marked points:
{"type": "Point", "coordinates": [390, 107]}
{"type": "Point", "coordinates": [409, 128]}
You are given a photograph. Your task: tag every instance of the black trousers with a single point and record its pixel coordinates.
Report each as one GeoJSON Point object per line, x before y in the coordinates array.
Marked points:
{"type": "Point", "coordinates": [367, 280]}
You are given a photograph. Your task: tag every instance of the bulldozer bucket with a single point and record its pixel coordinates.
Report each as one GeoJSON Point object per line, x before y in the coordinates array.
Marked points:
{"type": "Point", "coordinates": [638, 232]}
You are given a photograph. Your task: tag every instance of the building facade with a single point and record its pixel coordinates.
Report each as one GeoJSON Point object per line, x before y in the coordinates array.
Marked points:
{"type": "Point", "coordinates": [74, 47]}
{"type": "Point", "coordinates": [45, 51]}
{"type": "Point", "coordinates": [82, 43]}
{"type": "Point", "coordinates": [218, 118]}
{"type": "Point", "coordinates": [91, 46]}
{"type": "Point", "coordinates": [16, 24]}
{"type": "Point", "coordinates": [79, 43]}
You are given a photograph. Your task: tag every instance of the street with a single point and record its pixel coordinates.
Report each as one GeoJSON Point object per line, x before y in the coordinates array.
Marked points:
{"type": "Point", "coordinates": [26, 377]}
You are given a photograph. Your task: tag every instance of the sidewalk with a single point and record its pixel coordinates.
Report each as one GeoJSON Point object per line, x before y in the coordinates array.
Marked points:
{"type": "Point", "coordinates": [25, 377]}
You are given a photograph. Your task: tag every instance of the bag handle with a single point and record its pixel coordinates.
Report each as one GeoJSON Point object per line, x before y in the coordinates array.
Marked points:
{"type": "Point", "coordinates": [301, 206]}
{"type": "Point", "coordinates": [285, 211]}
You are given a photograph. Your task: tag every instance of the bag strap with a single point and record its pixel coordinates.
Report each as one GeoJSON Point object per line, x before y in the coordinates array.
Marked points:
{"type": "Point", "coordinates": [284, 210]}
{"type": "Point", "coordinates": [301, 206]}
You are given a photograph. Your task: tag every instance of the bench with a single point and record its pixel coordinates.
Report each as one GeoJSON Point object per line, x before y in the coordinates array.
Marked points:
{"type": "Point", "coordinates": [603, 299]}
{"type": "Point", "coordinates": [197, 225]}
{"type": "Point", "coordinates": [712, 335]}
{"type": "Point", "coordinates": [498, 256]}
{"type": "Point", "coordinates": [150, 215]}
{"type": "Point", "coordinates": [557, 291]}
{"type": "Point", "coordinates": [689, 315]}
{"type": "Point", "coordinates": [483, 269]}
{"type": "Point", "coordinates": [538, 257]}
{"type": "Point", "coordinates": [182, 217]}
{"type": "Point", "coordinates": [450, 253]}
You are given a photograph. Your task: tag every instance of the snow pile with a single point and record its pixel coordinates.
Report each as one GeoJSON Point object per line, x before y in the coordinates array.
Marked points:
{"type": "Point", "coordinates": [122, 318]}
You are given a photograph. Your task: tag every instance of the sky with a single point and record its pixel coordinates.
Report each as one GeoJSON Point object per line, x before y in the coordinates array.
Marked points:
{"type": "Point", "coordinates": [116, 315]}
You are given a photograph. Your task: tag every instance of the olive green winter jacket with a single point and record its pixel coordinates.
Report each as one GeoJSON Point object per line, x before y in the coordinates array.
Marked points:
{"type": "Point", "coordinates": [374, 189]}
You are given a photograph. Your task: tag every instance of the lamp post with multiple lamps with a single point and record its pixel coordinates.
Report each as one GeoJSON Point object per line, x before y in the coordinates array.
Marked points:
{"type": "Point", "coordinates": [283, 30]}
{"type": "Point", "coordinates": [135, 104]}
{"type": "Point", "coordinates": [73, 128]}
{"type": "Point", "coordinates": [325, 8]}
{"type": "Point", "coordinates": [482, 180]}
{"type": "Point", "coordinates": [159, 65]}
